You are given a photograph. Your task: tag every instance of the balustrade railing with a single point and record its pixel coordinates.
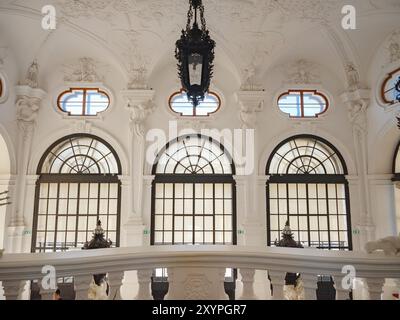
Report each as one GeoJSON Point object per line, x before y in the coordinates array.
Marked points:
{"type": "Point", "coordinates": [199, 272]}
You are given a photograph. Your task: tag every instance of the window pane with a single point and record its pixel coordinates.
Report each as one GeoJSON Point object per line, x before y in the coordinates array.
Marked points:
{"type": "Point", "coordinates": [78, 102]}
{"type": "Point", "coordinates": [180, 104]}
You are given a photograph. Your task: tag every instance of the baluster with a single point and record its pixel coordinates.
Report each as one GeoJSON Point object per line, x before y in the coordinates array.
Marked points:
{"type": "Point", "coordinates": [375, 288]}
{"type": "Point", "coordinates": [310, 286]}
{"type": "Point", "coordinates": [46, 294]}
{"type": "Point", "coordinates": [144, 280]}
{"type": "Point", "coordinates": [13, 289]}
{"type": "Point", "coordinates": [115, 282]}
{"type": "Point", "coordinates": [341, 292]}
{"type": "Point", "coordinates": [248, 284]}
{"type": "Point", "coordinates": [278, 282]}
{"type": "Point", "coordinates": [397, 287]}
{"type": "Point", "coordinates": [82, 283]}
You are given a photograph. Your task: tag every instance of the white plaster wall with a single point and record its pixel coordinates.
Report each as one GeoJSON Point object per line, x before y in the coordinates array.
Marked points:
{"type": "Point", "coordinates": [273, 126]}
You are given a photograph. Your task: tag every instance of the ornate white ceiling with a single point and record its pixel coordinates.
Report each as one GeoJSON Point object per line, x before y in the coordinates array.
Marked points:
{"type": "Point", "coordinates": [252, 34]}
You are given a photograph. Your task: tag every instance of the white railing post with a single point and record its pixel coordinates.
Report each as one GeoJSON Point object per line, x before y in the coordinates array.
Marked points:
{"type": "Point", "coordinates": [144, 280]}
{"type": "Point", "coordinates": [310, 286]}
{"type": "Point", "coordinates": [278, 282]}
{"type": "Point", "coordinates": [115, 281]}
{"type": "Point", "coordinates": [46, 294]}
{"type": "Point", "coordinates": [248, 284]}
{"type": "Point", "coordinates": [82, 283]}
{"type": "Point", "coordinates": [375, 288]}
{"type": "Point", "coordinates": [13, 289]}
{"type": "Point", "coordinates": [341, 293]}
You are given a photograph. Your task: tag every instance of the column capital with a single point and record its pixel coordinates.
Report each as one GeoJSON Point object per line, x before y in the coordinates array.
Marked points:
{"type": "Point", "coordinates": [140, 103]}
{"type": "Point", "coordinates": [250, 103]}
{"type": "Point", "coordinates": [148, 180]}
{"type": "Point", "coordinates": [28, 104]}
{"type": "Point", "coordinates": [357, 103]}
{"type": "Point", "coordinates": [353, 97]}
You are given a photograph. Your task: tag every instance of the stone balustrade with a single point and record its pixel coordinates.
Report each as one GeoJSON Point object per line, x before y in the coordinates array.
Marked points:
{"type": "Point", "coordinates": [198, 272]}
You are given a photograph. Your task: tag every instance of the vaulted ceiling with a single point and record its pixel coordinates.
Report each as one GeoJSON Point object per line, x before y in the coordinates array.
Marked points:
{"type": "Point", "coordinates": [249, 33]}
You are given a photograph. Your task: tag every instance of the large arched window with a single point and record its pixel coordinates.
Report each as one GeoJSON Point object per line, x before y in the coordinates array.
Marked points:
{"type": "Point", "coordinates": [193, 200]}
{"type": "Point", "coordinates": [78, 185]}
{"type": "Point", "coordinates": [396, 164]}
{"type": "Point", "coordinates": [308, 188]}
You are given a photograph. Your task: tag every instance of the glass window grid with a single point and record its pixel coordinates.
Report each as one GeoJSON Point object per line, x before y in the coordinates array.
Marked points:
{"type": "Point", "coordinates": [51, 225]}
{"type": "Point", "coordinates": [312, 234]}
{"type": "Point", "coordinates": [194, 222]}
{"type": "Point", "coordinates": [322, 205]}
{"type": "Point", "coordinates": [68, 205]}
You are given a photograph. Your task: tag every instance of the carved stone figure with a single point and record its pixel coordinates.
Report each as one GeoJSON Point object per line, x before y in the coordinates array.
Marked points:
{"type": "Point", "coordinates": [27, 109]}
{"type": "Point", "coordinates": [32, 75]}
{"type": "Point", "coordinates": [139, 114]}
{"type": "Point", "coordinates": [137, 78]}
{"type": "Point", "coordinates": [291, 292]}
{"type": "Point", "coordinates": [249, 81]}
{"type": "Point", "coordinates": [389, 245]}
{"type": "Point", "coordinates": [353, 78]}
{"type": "Point", "coordinates": [302, 72]}
{"type": "Point", "coordinates": [84, 71]}
{"type": "Point", "coordinates": [357, 116]}
{"type": "Point", "coordinates": [394, 51]}
{"type": "Point", "coordinates": [99, 291]}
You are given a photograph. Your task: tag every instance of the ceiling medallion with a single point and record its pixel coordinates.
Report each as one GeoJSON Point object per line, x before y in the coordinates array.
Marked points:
{"type": "Point", "coordinates": [195, 55]}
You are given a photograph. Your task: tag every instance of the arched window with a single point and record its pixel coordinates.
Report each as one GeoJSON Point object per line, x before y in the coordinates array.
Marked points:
{"type": "Point", "coordinates": [194, 197]}
{"type": "Point", "coordinates": [303, 103]}
{"type": "Point", "coordinates": [396, 180]}
{"type": "Point", "coordinates": [308, 188]}
{"type": "Point", "coordinates": [83, 101]}
{"type": "Point", "coordinates": [78, 185]}
{"type": "Point", "coordinates": [180, 104]}
{"type": "Point", "coordinates": [396, 163]}
{"type": "Point", "coordinates": [391, 88]}
{"type": "Point", "coordinates": [1, 87]}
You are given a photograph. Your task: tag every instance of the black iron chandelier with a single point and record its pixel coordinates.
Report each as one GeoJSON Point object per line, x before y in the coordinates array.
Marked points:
{"type": "Point", "coordinates": [195, 55]}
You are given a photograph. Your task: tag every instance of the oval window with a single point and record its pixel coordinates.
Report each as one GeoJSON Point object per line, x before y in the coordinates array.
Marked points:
{"type": "Point", "coordinates": [303, 103]}
{"type": "Point", "coordinates": [180, 104]}
{"type": "Point", "coordinates": [391, 88]}
{"type": "Point", "coordinates": [83, 101]}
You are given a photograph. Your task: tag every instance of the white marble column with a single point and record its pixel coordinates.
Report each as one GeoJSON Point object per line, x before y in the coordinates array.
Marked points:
{"type": "Point", "coordinates": [375, 288]}
{"type": "Point", "coordinates": [13, 289]}
{"type": "Point", "coordinates": [115, 281]}
{"type": "Point", "coordinates": [250, 103]}
{"type": "Point", "coordinates": [140, 105]}
{"type": "Point", "coordinates": [27, 107]}
{"type": "Point", "coordinates": [357, 102]}
{"type": "Point", "coordinates": [148, 186]}
{"type": "Point", "coordinates": [82, 283]}
{"type": "Point", "coordinates": [144, 280]}
{"type": "Point", "coordinates": [248, 276]}
{"type": "Point", "coordinates": [278, 283]}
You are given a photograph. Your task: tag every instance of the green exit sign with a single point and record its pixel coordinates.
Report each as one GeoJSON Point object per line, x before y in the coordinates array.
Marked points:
{"type": "Point", "coordinates": [146, 232]}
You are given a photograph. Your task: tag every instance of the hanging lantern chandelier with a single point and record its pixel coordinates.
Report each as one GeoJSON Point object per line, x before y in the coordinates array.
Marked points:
{"type": "Point", "coordinates": [195, 55]}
